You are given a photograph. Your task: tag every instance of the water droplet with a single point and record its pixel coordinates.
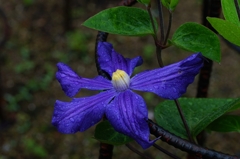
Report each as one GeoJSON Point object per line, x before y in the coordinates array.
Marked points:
{"type": "Point", "coordinates": [72, 120]}
{"type": "Point", "coordinates": [156, 87]}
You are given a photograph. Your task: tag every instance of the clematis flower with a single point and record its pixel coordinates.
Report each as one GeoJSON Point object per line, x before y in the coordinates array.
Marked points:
{"type": "Point", "coordinates": [125, 109]}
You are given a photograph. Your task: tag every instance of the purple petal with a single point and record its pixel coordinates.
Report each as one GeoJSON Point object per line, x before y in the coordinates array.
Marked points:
{"type": "Point", "coordinates": [80, 113]}
{"type": "Point", "coordinates": [72, 83]}
{"type": "Point", "coordinates": [128, 114]}
{"type": "Point", "coordinates": [171, 81]}
{"type": "Point", "coordinates": [110, 60]}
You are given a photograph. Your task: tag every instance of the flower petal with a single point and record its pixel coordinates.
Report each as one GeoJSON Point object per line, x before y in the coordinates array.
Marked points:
{"type": "Point", "coordinates": [71, 83]}
{"type": "Point", "coordinates": [128, 114]}
{"type": "Point", "coordinates": [110, 60]}
{"type": "Point", "coordinates": [80, 113]}
{"type": "Point", "coordinates": [171, 81]}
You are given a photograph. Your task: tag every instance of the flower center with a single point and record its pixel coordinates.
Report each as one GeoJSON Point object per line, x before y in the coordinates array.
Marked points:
{"type": "Point", "coordinates": [120, 80]}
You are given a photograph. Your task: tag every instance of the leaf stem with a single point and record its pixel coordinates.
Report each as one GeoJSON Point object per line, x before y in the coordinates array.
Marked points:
{"type": "Point", "coordinates": [161, 21]}
{"type": "Point", "coordinates": [169, 27]}
{"type": "Point", "coordinates": [184, 121]}
{"type": "Point", "coordinates": [159, 54]}
{"type": "Point", "coordinates": [237, 8]}
{"type": "Point", "coordinates": [157, 43]}
{"type": "Point", "coordinates": [159, 50]}
{"type": "Point", "coordinates": [152, 21]}
{"type": "Point", "coordinates": [137, 152]}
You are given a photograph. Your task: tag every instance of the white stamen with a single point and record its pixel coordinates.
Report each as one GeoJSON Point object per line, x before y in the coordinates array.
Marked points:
{"type": "Point", "coordinates": [120, 80]}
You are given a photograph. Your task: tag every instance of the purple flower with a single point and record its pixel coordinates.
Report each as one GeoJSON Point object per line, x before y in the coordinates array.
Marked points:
{"type": "Point", "coordinates": [125, 110]}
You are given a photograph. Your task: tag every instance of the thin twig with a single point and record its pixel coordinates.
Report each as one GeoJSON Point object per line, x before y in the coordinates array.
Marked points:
{"type": "Point", "coordinates": [159, 50]}
{"type": "Point", "coordinates": [237, 8]}
{"type": "Point", "coordinates": [165, 151]}
{"type": "Point", "coordinates": [161, 28]}
{"type": "Point", "coordinates": [157, 43]}
{"type": "Point", "coordinates": [137, 152]}
{"type": "Point", "coordinates": [161, 21]}
{"type": "Point", "coordinates": [184, 121]}
{"type": "Point", "coordinates": [169, 27]}
{"type": "Point", "coordinates": [152, 21]}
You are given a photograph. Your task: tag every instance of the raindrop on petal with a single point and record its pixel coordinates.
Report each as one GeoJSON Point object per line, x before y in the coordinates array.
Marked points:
{"type": "Point", "coordinates": [72, 120]}
{"type": "Point", "coordinates": [156, 87]}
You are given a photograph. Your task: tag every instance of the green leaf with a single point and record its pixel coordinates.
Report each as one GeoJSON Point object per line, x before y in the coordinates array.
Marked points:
{"type": "Point", "coordinates": [170, 4]}
{"type": "Point", "coordinates": [197, 38]}
{"type": "Point", "coordinates": [226, 123]}
{"type": "Point", "coordinates": [146, 2]}
{"type": "Point", "coordinates": [173, 4]}
{"type": "Point", "coordinates": [228, 30]}
{"type": "Point", "coordinates": [230, 12]}
{"type": "Point", "coordinates": [105, 133]}
{"type": "Point", "coordinates": [199, 113]}
{"type": "Point", "coordinates": [122, 20]}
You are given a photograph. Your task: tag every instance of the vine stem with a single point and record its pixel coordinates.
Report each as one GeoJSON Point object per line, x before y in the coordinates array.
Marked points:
{"type": "Point", "coordinates": [137, 152]}
{"type": "Point", "coordinates": [185, 145]}
{"type": "Point", "coordinates": [157, 43]}
{"type": "Point", "coordinates": [169, 27]}
{"type": "Point", "coordinates": [152, 22]}
{"type": "Point", "coordinates": [159, 46]}
{"type": "Point", "coordinates": [161, 21]}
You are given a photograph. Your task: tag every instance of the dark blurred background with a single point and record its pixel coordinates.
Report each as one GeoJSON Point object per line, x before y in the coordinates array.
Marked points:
{"type": "Point", "coordinates": [41, 33]}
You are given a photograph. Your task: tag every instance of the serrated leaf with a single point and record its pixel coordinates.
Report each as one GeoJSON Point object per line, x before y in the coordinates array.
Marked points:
{"type": "Point", "coordinates": [197, 38]}
{"type": "Point", "coordinates": [105, 133]}
{"type": "Point", "coordinates": [199, 113]}
{"type": "Point", "coordinates": [122, 20]}
{"type": "Point", "coordinates": [226, 123]}
{"type": "Point", "coordinates": [228, 30]}
{"type": "Point", "coordinates": [230, 12]}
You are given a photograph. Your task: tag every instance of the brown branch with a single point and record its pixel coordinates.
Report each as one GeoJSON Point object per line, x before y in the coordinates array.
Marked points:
{"type": "Point", "coordinates": [185, 145]}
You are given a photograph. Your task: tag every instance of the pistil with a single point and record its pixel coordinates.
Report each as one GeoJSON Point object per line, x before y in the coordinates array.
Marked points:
{"type": "Point", "coordinates": [120, 80]}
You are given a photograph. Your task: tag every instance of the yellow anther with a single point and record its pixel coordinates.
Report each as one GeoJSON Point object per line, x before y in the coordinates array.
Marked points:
{"type": "Point", "coordinates": [120, 80]}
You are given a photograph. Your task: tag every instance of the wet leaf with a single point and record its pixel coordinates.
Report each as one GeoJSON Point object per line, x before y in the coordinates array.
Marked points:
{"type": "Point", "coordinates": [199, 113]}
{"type": "Point", "coordinates": [230, 12]}
{"type": "Point", "coordinates": [226, 123]}
{"type": "Point", "coordinates": [228, 30]}
{"type": "Point", "coordinates": [105, 133]}
{"type": "Point", "coordinates": [197, 38]}
{"type": "Point", "coordinates": [128, 21]}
